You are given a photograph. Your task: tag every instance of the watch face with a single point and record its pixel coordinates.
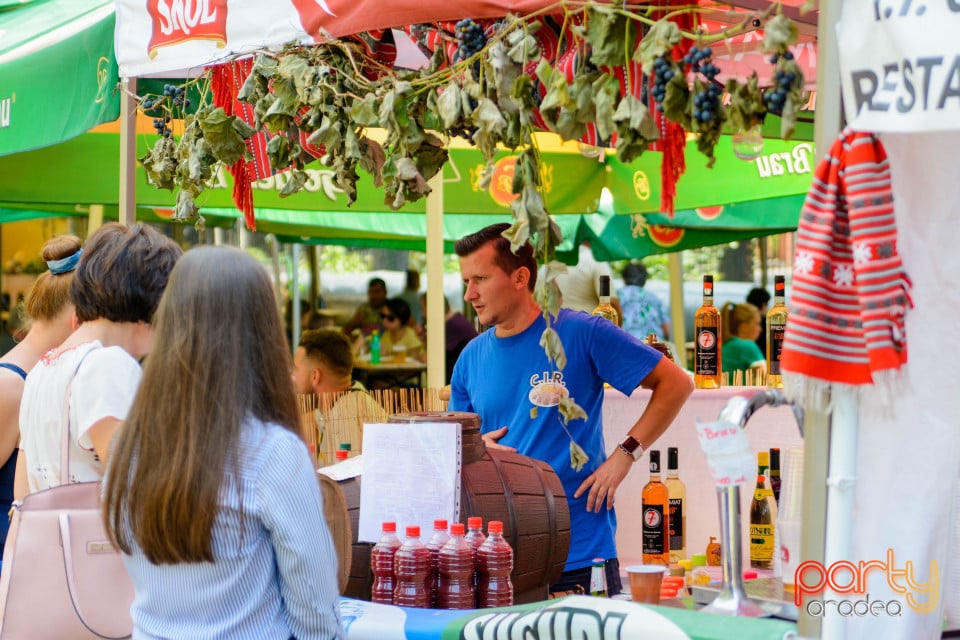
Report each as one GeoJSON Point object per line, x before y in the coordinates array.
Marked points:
{"type": "Point", "coordinates": [630, 444]}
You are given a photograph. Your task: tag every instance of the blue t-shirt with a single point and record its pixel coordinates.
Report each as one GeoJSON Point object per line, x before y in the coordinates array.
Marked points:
{"type": "Point", "coordinates": [504, 379]}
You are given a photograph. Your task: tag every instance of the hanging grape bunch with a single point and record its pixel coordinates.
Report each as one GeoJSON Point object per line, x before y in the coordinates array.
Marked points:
{"type": "Point", "coordinates": [707, 113]}
{"type": "Point", "coordinates": [706, 99]}
{"type": "Point", "coordinates": [472, 39]}
{"type": "Point", "coordinates": [776, 96]}
{"type": "Point", "coordinates": [663, 72]}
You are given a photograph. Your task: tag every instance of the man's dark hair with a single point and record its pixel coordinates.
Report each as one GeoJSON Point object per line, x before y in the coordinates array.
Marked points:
{"type": "Point", "coordinates": [331, 347]}
{"type": "Point", "coordinates": [758, 297]}
{"type": "Point", "coordinates": [376, 281]}
{"type": "Point", "coordinates": [506, 259]}
{"type": "Point", "coordinates": [635, 274]}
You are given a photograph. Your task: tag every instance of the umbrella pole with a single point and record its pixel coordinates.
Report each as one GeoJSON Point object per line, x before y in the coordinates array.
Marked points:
{"type": "Point", "coordinates": [677, 329]}
{"type": "Point", "coordinates": [434, 314]}
{"type": "Point", "coordinates": [128, 151]}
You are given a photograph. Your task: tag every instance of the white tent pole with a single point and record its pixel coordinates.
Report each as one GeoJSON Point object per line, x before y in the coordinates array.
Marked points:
{"type": "Point", "coordinates": [94, 218]}
{"type": "Point", "coordinates": [434, 314]}
{"type": "Point", "coordinates": [295, 297]}
{"type": "Point", "coordinates": [678, 329]}
{"type": "Point", "coordinates": [128, 151]}
{"type": "Point", "coordinates": [817, 425]}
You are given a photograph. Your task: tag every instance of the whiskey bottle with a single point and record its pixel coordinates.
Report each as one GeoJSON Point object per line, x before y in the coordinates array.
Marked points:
{"type": "Point", "coordinates": [677, 492]}
{"type": "Point", "coordinates": [763, 515]}
{"type": "Point", "coordinates": [706, 333]}
{"type": "Point", "coordinates": [656, 516]}
{"type": "Point", "coordinates": [776, 325]}
{"type": "Point", "coordinates": [604, 309]}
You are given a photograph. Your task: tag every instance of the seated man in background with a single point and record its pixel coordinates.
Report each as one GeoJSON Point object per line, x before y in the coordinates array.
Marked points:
{"type": "Point", "coordinates": [323, 366]}
{"type": "Point", "coordinates": [367, 316]}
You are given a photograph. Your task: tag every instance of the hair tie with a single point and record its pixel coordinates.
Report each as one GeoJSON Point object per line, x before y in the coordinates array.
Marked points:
{"type": "Point", "coordinates": [64, 265]}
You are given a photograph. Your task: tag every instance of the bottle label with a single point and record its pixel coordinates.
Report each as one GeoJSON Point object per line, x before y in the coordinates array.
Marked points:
{"type": "Point", "coordinates": [761, 542]}
{"type": "Point", "coordinates": [676, 523]}
{"type": "Point", "coordinates": [776, 347]}
{"type": "Point", "coordinates": [598, 581]}
{"type": "Point", "coordinates": [654, 531]}
{"type": "Point", "coordinates": [706, 352]}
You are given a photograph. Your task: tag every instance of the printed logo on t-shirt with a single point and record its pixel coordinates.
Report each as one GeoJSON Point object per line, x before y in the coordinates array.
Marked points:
{"type": "Point", "coordinates": [547, 389]}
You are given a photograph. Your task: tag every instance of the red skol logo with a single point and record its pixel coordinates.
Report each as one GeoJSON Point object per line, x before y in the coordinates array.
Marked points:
{"type": "Point", "coordinates": [176, 21]}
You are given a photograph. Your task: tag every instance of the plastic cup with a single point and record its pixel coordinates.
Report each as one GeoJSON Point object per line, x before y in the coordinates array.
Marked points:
{"type": "Point", "coordinates": [645, 581]}
{"type": "Point", "coordinates": [400, 353]}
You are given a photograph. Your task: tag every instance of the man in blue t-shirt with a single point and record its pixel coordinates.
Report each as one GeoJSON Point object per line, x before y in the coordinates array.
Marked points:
{"type": "Point", "coordinates": [504, 376]}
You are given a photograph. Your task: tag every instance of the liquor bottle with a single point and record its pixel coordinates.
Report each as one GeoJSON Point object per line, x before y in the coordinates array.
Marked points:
{"type": "Point", "coordinates": [656, 516]}
{"type": "Point", "coordinates": [598, 578]}
{"type": "Point", "coordinates": [341, 454]}
{"type": "Point", "coordinates": [604, 309]}
{"type": "Point", "coordinates": [763, 516]}
{"type": "Point", "coordinates": [706, 332]}
{"type": "Point", "coordinates": [381, 562]}
{"type": "Point", "coordinates": [411, 570]}
{"type": "Point", "coordinates": [494, 566]}
{"type": "Point", "coordinates": [375, 347]}
{"type": "Point", "coordinates": [678, 502]}
{"type": "Point", "coordinates": [434, 544]}
{"type": "Point", "coordinates": [457, 567]}
{"type": "Point", "coordinates": [775, 474]}
{"type": "Point", "coordinates": [776, 325]}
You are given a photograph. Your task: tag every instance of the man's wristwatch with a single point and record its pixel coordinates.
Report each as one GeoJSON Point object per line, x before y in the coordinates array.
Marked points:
{"type": "Point", "coordinates": [632, 447]}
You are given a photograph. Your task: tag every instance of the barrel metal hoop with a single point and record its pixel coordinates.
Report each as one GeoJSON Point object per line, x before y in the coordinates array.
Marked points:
{"type": "Point", "coordinates": [551, 509]}
{"type": "Point", "coordinates": [511, 509]}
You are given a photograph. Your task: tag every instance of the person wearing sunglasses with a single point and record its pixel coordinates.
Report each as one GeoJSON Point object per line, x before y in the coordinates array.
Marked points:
{"type": "Point", "coordinates": [397, 332]}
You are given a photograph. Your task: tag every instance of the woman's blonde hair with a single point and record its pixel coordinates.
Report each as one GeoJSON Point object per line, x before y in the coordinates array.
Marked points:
{"type": "Point", "coordinates": [733, 315]}
{"type": "Point", "coordinates": [220, 358]}
{"type": "Point", "coordinates": [50, 293]}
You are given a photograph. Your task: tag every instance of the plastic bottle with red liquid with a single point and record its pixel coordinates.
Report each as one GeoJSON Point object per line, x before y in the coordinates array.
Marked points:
{"type": "Point", "coordinates": [494, 566]}
{"type": "Point", "coordinates": [457, 571]}
{"type": "Point", "coordinates": [381, 562]}
{"type": "Point", "coordinates": [411, 570]}
{"type": "Point", "coordinates": [434, 544]}
{"type": "Point", "coordinates": [474, 533]}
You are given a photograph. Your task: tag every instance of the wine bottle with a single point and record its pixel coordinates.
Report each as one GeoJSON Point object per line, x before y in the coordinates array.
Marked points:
{"type": "Point", "coordinates": [706, 332]}
{"type": "Point", "coordinates": [775, 474]}
{"type": "Point", "coordinates": [678, 516]}
{"type": "Point", "coordinates": [598, 578]}
{"type": "Point", "coordinates": [776, 326]}
{"type": "Point", "coordinates": [656, 516]}
{"type": "Point", "coordinates": [763, 516]}
{"type": "Point", "coordinates": [604, 308]}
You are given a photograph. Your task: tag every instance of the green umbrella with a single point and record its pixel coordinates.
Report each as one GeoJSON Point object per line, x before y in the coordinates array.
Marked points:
{"type": "Point", "coordinates": [57, 72]}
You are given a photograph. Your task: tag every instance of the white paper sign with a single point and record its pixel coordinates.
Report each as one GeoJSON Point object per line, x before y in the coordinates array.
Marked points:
{"type": "Point", "coordinates": [900, 64]}
{"type": "Point", "coordinates": [728, 452]}
{"type": "Point", "coordinates": [411, 475]}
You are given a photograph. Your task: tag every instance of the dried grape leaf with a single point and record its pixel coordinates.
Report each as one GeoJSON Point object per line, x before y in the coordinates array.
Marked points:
{"type": "Point", "coordinates": [364, 112]}
{"type": "Point", "coordinates": [296, 181]}
{"type": "Point", "coordinates": [327, 134]}
{"type": "Point", "coordinates": [221, 134]}
{"type": "Point", "coordinates": [746, 103]}
{"type": "Point", "coordinates": [678, 103]}
{"type": "Point", "coordinates": [609, 34]}
{"type": "Point", "coordinates": [570, 410]}
{"type": "Point", "coordinates": [491, 126]}
{"type": "Point", "coordinates": [160, 164]}
{"type": "Point", "coordinates": [578, 457]}
{"type": "Point", "coordinates": [657, 42]}
{"type": "Point", "coordinates": [278, 152]}
{"type": "Point", "coordinates": [778, 34]}
{"type": "Point", "coordinates": [186, 208]}
{"type": "Point", "coordinates": [550, 341]}
{"type": "Point", "coordinates": [448, 105]}
{"type": "Point", "coordinates": [606, 92]}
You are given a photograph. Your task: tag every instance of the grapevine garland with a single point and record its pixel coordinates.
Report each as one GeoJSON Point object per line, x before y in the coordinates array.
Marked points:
{"type": "Point", "coordinates": [496, 90]}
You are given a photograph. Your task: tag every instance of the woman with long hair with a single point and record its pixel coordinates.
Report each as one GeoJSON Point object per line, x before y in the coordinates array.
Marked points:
{"type": "Point", "coordinates": [210, 490]}
{"type": "Point", "coordinates": [52, 319]}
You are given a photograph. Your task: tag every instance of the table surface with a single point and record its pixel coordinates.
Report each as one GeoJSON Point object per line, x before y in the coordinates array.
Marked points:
{"type": "Point", "coordinates": [390, 365]}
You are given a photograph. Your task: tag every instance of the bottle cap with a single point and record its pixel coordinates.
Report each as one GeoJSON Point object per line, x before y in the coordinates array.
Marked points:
{"type": "Point", "coordinates": [699, 559]}
{"type": "Point", "coordinates": [457, 529]}
{"type": "Point", "coordinates": [413, 531]}
{"type": "Point", "coordinates": [389, 527]}
{"type": "Point", "coordinates": [495, 526]}
{"type": "Point", "coordinates": [344, 446]}
{"type": "Point", "coordinates": [440, 525]}
{"type": "Point", "coordinates": [474, 522]}
{"type": "Point", "coordinates": [604, 285]}
{"type": "Point", "coordinates": [673, 458]}
{"type": "Point", "coordinates": [342, 454]}
{"type": "Point", "coordinates": [775, 458]}
{"type": "Point", "coordinates": [686, 563]}
{"type": "Point", "coordinates": [749, 575]}
{"type": "Point", "coordinates": [677, 571]}
{"type": "Point", "coordinates": [763, 458]}
{"type": "Point", "coordinates": [599, 561]}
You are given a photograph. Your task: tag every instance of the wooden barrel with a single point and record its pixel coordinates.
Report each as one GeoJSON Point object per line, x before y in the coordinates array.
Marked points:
{"type": "Point", "coordinates": [336, 514]}
{"type": "Point", "coordinates": [525, 494]}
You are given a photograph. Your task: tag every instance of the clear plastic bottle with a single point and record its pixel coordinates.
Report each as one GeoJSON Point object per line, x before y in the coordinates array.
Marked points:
{"type": "Point", "coordinates": [475, 537]}
{"type": "Point", "coordinates": [411, 569]}
{"type": "Point", "coordinates": [494, 566]}
{"type": "Point", "coordinates": [434, 544]}
{"type": "Point", "coordinates": [381, 562]}
{"type": "Point", "coordinates": [457, 568]}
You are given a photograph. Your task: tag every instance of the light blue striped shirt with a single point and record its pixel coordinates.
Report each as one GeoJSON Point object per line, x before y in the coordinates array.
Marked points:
{"type": "Point", "coordinates": [278, 579]}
